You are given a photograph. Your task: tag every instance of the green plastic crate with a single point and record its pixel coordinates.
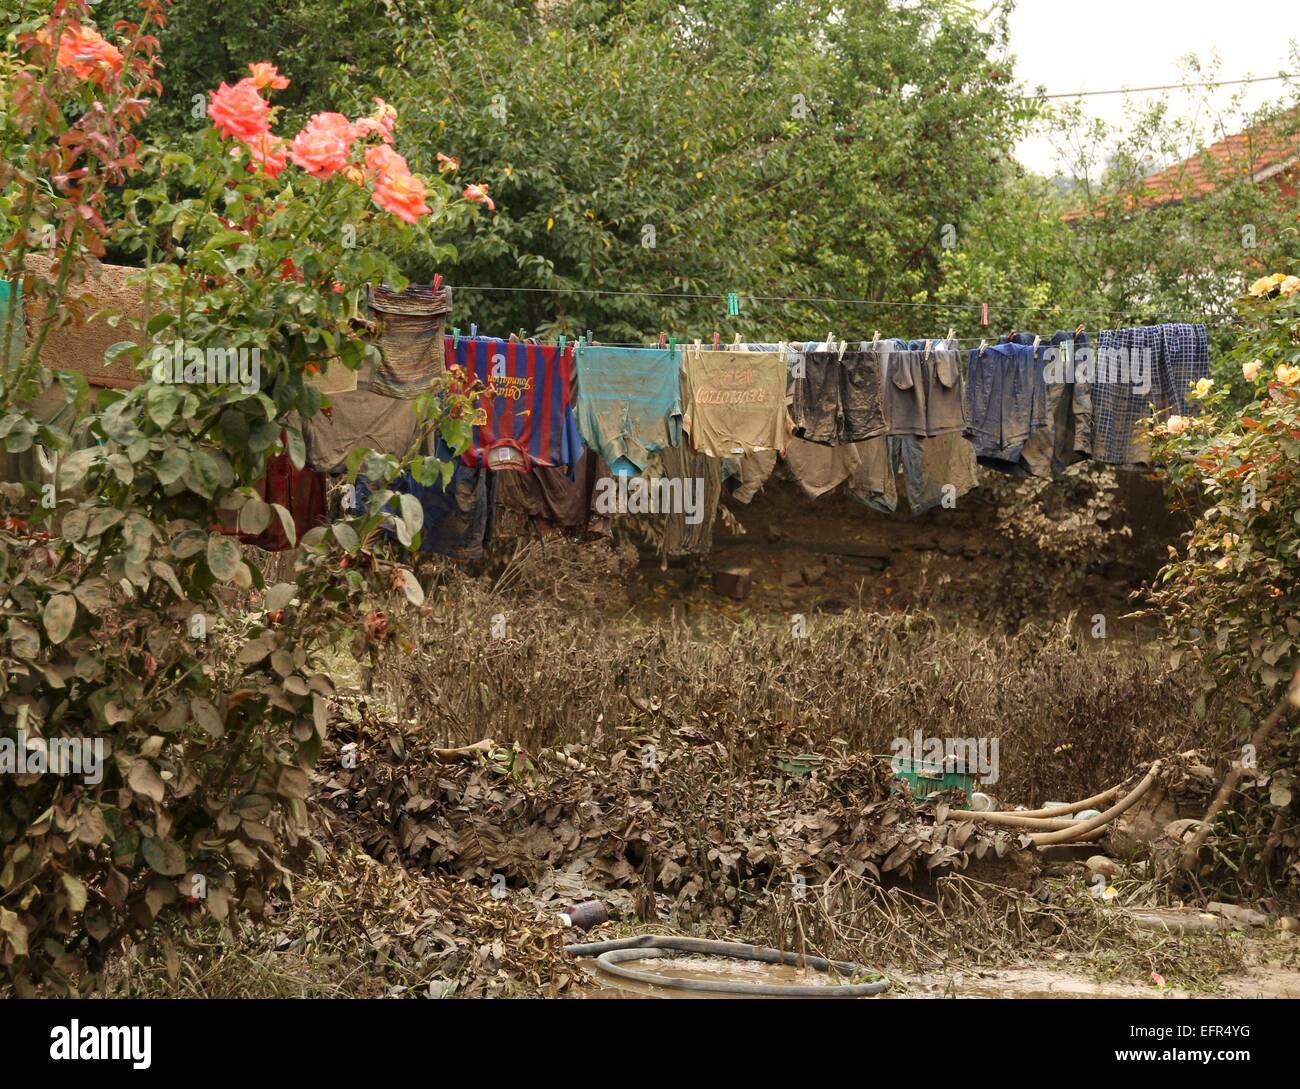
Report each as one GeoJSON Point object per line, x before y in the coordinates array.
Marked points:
{"type": "Point", "coordinates": [927, 778]}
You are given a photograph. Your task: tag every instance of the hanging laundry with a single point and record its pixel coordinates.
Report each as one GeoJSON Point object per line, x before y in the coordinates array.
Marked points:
{"type": "Point", "coordinates": [300, 491]}
{"type": "Point", "coordinates": [694, 534]}
{"type": "Point", "coordinates": [523, 415]}
{"type": "Point", "coordinates": [753, 470]}
{"type": "Point", "coordinates": [818, 468]}
{"type": "Point", "coordinates": [629, 403]}
{"type": "Point", "coordinates": [1006, 402]}
{"type": "Point", "coordinates": [550, 501]}
{"type": "Point", "coordinates": [359, 419]}
{"type": "Point", "coordinates": [409, 328]}
{"type": "Point", "coordinates": [458, 518]}
{"type": "Point", "coordinates": [837, 395]}
{"type": "Point", "coordinates": [1137, 369]}
{"type": "Point", "coordinates": [922, 388]}
{"type": "Point", "coordinates": [1066, 437]}
{"type": "Point", "coordinates": [936, 471]}
{"type": "Point", "coordinates": [735, 402]}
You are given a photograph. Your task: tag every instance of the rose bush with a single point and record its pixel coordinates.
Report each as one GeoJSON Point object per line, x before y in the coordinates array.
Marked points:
{"type": "Point", "coordinates": [1233, 594]}
{"type": "Point", "coordinates": [122, 606]}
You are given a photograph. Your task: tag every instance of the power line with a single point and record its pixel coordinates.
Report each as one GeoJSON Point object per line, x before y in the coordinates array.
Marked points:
{"type": "Point", "coordinates": [1173, 86]}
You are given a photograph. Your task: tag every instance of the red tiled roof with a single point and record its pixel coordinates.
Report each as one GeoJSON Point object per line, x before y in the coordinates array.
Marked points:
{"type": "Point", "coordinates": [1259, 153]}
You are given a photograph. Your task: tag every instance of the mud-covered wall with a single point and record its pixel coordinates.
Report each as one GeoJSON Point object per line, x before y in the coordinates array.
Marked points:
{"type": "Point", "coordinates": [80, 346]}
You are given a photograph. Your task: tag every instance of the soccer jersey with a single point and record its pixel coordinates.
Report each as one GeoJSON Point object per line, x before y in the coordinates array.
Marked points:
{"type": "Point", "coordinates": [523, 413]}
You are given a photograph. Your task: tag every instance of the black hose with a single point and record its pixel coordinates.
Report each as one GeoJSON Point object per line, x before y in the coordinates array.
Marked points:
{"type": "Point", "coordinates": [609, 954]}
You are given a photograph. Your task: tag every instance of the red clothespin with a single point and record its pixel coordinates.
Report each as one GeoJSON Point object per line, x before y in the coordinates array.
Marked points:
{"type": "Point", "coordinates": [984, 313]}
{"type": "Point", "coordinates": [717, 339]}
{"type": "Point", "coordinates": [437, 282]}
{"type": "Point", "coordinates": [663, 340]}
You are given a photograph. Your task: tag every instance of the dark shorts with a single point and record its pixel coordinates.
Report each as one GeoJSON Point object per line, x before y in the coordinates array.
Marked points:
{"type": "Point", "coordinates": [837, 399]}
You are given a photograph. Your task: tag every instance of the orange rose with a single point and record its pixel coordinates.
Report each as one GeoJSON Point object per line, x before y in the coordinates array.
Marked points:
{"type": "Point", "coordinates": [268, 151]}
{"type": "Point", "coordinates": [402, 195]}
{"type": "Point", "coordinates": [323, 146]}
{"type": "Point", "coordinates": [478, 194]}
{"type": "Point", "coordinates": [267, 75]}
{"type": "Point", "coordinates": [85, 52]}
{"type": "Point", "coordinates": [239, 111]}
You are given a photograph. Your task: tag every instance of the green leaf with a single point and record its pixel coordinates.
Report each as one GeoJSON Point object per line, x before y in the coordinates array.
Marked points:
{"type": "Point", "coordinates": [254, 515]}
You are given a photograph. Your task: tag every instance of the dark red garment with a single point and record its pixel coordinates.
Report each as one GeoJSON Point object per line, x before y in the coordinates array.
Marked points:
{"type": "Point", "coordinates": [300, 491]}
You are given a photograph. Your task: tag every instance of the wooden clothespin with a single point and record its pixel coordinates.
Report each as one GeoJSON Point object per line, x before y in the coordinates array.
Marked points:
{"type": "Point", "coordinates": [951, 333]}
{"type": "Point", "coordinates": [736, 343]}
{"type": "Point", "coordinates": [927, 349]}
{"type": "Point", "coordinates": [984, 313]}
{"type": "Point", "coordinates": [843, 344]}
{"type": "Point", "coordinates": [984, 345]}
{"type": "Point", "coordinates": [1078, 329]}
{"type": "Point", "coordinates": [1037, 341]}
{"type": "Point", "coordinates": [875, 337]}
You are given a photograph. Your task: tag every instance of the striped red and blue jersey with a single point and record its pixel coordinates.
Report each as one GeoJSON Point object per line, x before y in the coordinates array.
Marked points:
{"type": "Point", "coordinates": [524, 415]}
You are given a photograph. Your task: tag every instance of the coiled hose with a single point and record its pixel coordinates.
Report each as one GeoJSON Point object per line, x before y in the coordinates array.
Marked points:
{"type": "Point", "coordinates": [610, 955]}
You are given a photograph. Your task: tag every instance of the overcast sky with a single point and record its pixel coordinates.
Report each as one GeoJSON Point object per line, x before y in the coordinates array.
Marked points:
{"type": "Point", "coordinates": [1104, 44]}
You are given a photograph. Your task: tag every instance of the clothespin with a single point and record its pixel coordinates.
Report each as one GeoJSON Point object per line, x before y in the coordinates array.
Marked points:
{"type": "Point", "coordinates": [663, 339]}
{"type": "Point", "coordinates": [830, 342]}
{"type": "Point", "coordinates": [473, 330]}
{"type": "Point", "coordinates": [563, 338]}
{"type": "Point", "coordinates": [455, 337]}
{"type": "Point", "coordinates": [843, 344]}
{"type": "Point", "coordinates": [984, 313]}
{"type": "Point", "coordinates": [672, 344]}
{"type": "Point", "coordinates": [927, 350]}
{"type": "Point", "coordinates": [717, 338]}
{"type": "Point", "coordinates": [733, 304]}
{"type": "Point", "coordinates": [589, 336]}
{"type": "Point", "coordinates": [875, 337]}
{"type": "Point", "coordinates": [1037, 340]}
{"type": "Point", "coordinates": [984, 346]}
{"type": "Point", "coordinates": [951, 333]}
{"type": "Point", "coordinates": [1078, 329]}
{"type": "Point", "coordinates": [437, 282]}
{"type": "Point", "coordinates": [736, 343]}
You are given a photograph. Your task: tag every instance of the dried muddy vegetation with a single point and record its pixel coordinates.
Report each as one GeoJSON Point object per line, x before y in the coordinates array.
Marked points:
{"type": "Point", "coordinates": [710, 777]}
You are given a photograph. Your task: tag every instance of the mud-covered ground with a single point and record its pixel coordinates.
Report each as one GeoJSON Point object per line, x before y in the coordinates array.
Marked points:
{"type": "Point", "coordinates": [707, 766]}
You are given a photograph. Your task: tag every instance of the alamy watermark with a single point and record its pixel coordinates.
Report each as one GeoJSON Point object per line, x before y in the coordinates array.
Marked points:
{"type": "Point", "coordinates": [977, 756]}
{"type": "Point", "coordinates": [1064, 364]}
{"type": "Point", "coordinates": [653, 495]}
{"type": "Point", "coordinates": [34, 755]}
{"type": "Point", "coordinates": [179, 364]}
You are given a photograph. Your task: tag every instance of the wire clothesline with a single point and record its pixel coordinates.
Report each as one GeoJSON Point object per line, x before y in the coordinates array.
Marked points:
{"type": "Point", "coordinates": [950, 307]}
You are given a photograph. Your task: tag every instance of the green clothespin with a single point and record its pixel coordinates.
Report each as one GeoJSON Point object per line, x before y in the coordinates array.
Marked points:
{"type": "Point", "coordinates": [582, 342]}
{"type": "Point", "coordinates": [588, 336]}
{"type": "Point", "coordinates": [733, 304]}
{"type": "Point", "coordinates": [562, 339]}
{"type": "Point", "coordinates": [455, 337]}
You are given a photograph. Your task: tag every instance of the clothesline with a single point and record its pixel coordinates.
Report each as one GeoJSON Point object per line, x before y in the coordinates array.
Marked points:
{"type": "Point", "coordinates": [1002, 308]}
